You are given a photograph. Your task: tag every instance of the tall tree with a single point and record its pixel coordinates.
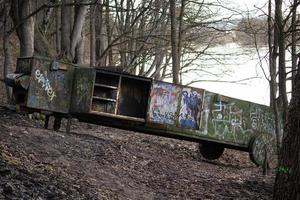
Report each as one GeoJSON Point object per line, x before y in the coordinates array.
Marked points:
{"type": "Point", "coordinates": [20, 13]}
{"type": "Point", "coordinates": [281, 38]}
{"type": "Point", "coordinates": [6, 50]}
{"type": "Point", "coordinates": [72, 30]}
{"type": "Point", "coordinates": [273, 54]}
{"type": "Point", "coordinates": [287, 181]}
{"type": "Point", "coordinates": [92, 36]}
{"type": "Point", "coordinates": [174, 42]}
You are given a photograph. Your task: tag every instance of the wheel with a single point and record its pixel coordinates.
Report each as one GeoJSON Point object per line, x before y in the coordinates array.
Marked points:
{"type": "Point", "coordinates": [260, 146]}
{"type": "Point", "coordinates": [211, 151]}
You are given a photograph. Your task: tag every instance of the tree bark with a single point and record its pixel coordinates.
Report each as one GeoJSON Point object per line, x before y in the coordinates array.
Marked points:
{"type": "Point", "coordinates": [109, 33]}
{"type": "Point", "coordinates": [42, 46]}
{"type": "Point", "coordinates": [57, 30]}
{"type": "Point", "coordinates": [287, 181]}
{"type": "Point", "coordinates": [77, 34]}
{"type": "Point", "coordinates": [20, 11]}
{"type": "Point", "coordinates": [66, 14]}
{"type": "Point", "coordinates": [174, 43]}
{"type": "Point", "coordinates": [181, 32]}
{"type": "Point", "coordinates": [294, 42]}
{"type": "Point", "coordinates": [92, 36]}
{"type": "Point", "coordinates": [6, 51]}
{"type": "Point", "coordinates": [279, 25]}
{"type": "Point", "coordinates": [272, 70]}
{"type": "Point", "coordinates": [47, 17]}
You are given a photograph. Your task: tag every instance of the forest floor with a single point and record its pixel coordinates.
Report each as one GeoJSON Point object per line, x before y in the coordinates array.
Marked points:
{"type": "Point", "coordinates": [96, 162]}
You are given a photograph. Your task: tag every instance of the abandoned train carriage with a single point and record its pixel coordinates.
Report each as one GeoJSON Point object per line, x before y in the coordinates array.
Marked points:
{"type": "Point", "coordinates": [143, 104]}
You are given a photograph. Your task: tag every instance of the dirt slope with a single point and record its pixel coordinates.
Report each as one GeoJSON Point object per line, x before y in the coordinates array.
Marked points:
{"type": "Point", "coordinates": [95, 162]}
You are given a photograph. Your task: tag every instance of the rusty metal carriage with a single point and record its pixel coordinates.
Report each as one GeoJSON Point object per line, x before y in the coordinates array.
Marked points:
{"type": "Point", "coordinates": [142, 104]}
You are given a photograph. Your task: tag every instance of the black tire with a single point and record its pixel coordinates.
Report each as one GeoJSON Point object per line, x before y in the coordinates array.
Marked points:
{"type": "Point", "coordinates": [211, 151]}
{"type": "Point", "coordinates": [260, 146]}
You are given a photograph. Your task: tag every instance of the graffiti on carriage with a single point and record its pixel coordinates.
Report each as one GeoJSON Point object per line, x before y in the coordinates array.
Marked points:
{"type": "Point", "coordinates": [163, 105]}
{"type": "Point", "coordinates": [234, 120]}
{"type": "Point", "coordinates": [190, 109]}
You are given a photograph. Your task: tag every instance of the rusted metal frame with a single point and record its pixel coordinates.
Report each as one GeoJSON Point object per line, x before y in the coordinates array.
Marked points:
{"type": "Point", "coordinates": [118, 116]}
{"type": "Point", "coordinates": [158, 131]}
{"type": "Point", "coordinates": [124, 75]}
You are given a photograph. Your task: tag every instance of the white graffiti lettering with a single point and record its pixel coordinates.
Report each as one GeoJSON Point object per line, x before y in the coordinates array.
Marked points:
{"type": "Point", "coordinates": [44, 81]}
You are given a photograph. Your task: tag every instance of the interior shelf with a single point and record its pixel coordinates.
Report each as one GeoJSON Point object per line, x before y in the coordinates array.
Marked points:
{"type": "Point", "coordinates": [104, 99]}
{"type": "Point", "coordinates": [120, 95]}
{"type": "Point", "coordinates": [105, 93]}
{"type": "Point", "coordinates": [106, 86]}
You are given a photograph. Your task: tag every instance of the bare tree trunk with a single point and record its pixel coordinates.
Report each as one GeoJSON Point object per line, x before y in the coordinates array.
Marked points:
{"type": "Point", "coordinates": [5, 47]}
{"type": "Point", "coordinates": [174, 43]}
{"type": "Point", "coordinates": [77, 33]}
{"type": "Point", "coordinates": [92, 36]}
{"type": "Point", "coordinates": [279, 25]}
{"type": "Point", "coordinates": [79, 52]}
{"type": "Point", "coordinates": [66, 14]}
{"type": "Point", "coordinates": [294, 43]}
{"type": "Point", "coordinates": [57, 31]}
{"type": "Point", "coordinates": [109, 35]}
{"type": "Point", "coordinates": [180, 32]}
{"type": "Point", "coordinates": [101, 39]}
{"type": "Point", "coordinates": [272, 69]}
{"type": "Point", "coordinates": [20, 11]}
{"type": "Point", "coordinates": [47, 16]}
{"type": "Point", "coordinates": [287, 181]}
{"type": "Point", "coordinates": [42, 46]}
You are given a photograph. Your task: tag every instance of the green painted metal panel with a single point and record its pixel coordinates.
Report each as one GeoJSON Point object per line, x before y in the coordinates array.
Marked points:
{"type": "Point", "coordinates": [50, 86]}
{"type": "Point", "coordinates": [234, 120]}
{"type": "Point", "coordinates": [82, 90]}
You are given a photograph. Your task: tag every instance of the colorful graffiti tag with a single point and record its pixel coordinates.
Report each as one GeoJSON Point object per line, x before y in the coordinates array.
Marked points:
{"type": "Point", "coordinates": [191, 102]}
{"type": "Point", "coordinates": [163, 104]}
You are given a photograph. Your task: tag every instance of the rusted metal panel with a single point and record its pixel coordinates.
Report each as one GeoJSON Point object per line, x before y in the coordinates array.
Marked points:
{"type": "Point", "coordinates": [82, 90]}
{"type": "Point", "coordinates": [50, 90]}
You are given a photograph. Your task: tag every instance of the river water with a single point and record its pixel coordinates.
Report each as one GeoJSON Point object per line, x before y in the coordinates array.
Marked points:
{"type": "Point", "coordinates": [232, 71]}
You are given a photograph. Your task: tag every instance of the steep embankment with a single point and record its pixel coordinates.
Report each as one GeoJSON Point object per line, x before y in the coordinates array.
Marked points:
{"type": "Point", "coordinates": [95, 162]}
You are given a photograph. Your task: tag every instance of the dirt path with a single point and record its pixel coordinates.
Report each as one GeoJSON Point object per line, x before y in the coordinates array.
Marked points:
{"type": "Point", "coordinates": [95, 162]}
